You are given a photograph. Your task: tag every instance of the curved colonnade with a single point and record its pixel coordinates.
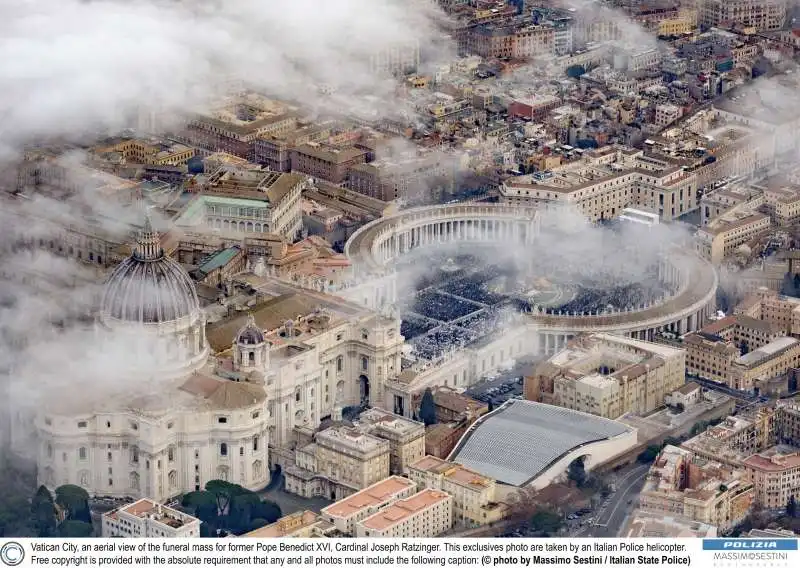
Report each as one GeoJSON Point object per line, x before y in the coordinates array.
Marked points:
{"type": "Point", "coordinates": [374, 248]}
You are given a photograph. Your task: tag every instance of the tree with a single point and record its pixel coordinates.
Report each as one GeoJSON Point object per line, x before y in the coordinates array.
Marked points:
{"type": "Point", "coordinates": [791, 507]}
{"type": "Point", "coordinates": [427, 408]}
{"type": "Point", "coordinates": [75, 501]}
{"type": "Point", "coordinates": [203, 505]}
{"type": "Point", "coordinates": [577, 472]}
{"type": "Point", "coordinates": [75, 529]}
{"type": "Point", "coordinates": [545, 522]}
{"type": "Point", "coordinates": [649, 455]}
{"type": "Point", "coordinates": [43, 513]}
{"type": "Point", "coordinates": [223, 492]}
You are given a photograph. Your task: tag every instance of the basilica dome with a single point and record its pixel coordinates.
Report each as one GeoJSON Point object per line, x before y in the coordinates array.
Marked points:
{"type": "Point", "coordinates": [149, 287]}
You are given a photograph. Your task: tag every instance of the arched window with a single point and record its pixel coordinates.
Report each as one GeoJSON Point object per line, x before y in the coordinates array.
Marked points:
{"type": "Point", "coordinates": [339, 364]}
{"type": "Point", "coordinates": [364, 363]}
{"type": "Point", "coordinates": [173, 479]}
{"type": "Point", "coordinates": [258, 469]}
{"type": "Point", "coordinates": [133, 480]}
{"type": "Point", "coordinates": [223, 449]}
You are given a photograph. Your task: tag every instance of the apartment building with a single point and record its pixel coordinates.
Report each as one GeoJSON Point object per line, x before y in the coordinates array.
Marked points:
{"type": "Point", "coordinates": [609, 376]}
{"type": "Point", "coordinates": [340, 462]}
{"type": "Point", "coordinates": [146, 518]}
{"type": "Point", "coordinates": [773, 308]}
{"type": "Point", "coordinates": [604, 182]}
{"type": "Point", "coordinates": [426, 514]}
{"type": "Point", "coordinates": [709, 356]}
{"type": "Point", "coordinates": [328, 162]}
{"type": "Point", "coordinates": [301, 524]}
{"type": "Point", "coordinates": [776, 475]}
{"type": "Point", "coordinates": [767, 362]}
{"type": "Point", "coordinates": [411, 178]}
{"type": "Point", "coordinates": [684, 22]}
{"type": "Point", "coordinates": [275, 152]}
{"type": "Point", "coordinates": [345, 514]}
{"type": "Point", "coordinates": [746, 331]}
{"type": "Point", "coordinates": [398, 60]}
{"type": "Point", "coordinates": [406, 437]}
{"type": "Point", "coordinates": [237, 122]}
{"type": "Point", "coordinates": [152, 152]}
{"type": "Point", "coordinates": [782, 202]}
{"type": "Point", "coordinates": [656, 525]}
{"type": "Point", "coordinates": [704, 492]}
{"type": "Point", "coordinates": [761, 15]}
{"type": "Point", "coordinates": [473, 494]}
{"type": "Point", "coordinates": [720, 238]}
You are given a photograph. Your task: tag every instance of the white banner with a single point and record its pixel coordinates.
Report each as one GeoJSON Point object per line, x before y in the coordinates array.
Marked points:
{"type": "Point", "coordinates": [311, 553]}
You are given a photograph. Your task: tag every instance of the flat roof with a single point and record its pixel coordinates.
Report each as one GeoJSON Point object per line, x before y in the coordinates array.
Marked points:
{"type": "Point", "coordinates": [767, 351]}
{"type": "Point", "coordinates": [374, 495]}
{"type": "Point", "coordinates": [405, 508]}
{"type": "Point", "coordinates": [517, 442]}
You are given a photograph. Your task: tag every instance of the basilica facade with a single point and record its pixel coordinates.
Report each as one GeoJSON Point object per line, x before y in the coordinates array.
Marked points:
{"type": "Point", "coordinates": [228, 400]}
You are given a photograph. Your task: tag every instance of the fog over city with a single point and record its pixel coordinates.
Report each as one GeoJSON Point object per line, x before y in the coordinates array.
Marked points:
{"type": "Point", "coordinates": [454, 293]}
{"type": "Point", "coordinates": [74, 67]}
{"type": "Point", "coordinates": [70, 65]}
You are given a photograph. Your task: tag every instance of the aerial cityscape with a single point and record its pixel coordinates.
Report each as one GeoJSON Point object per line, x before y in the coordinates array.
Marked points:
{"type": "Point", "coordinates": [400, 268]}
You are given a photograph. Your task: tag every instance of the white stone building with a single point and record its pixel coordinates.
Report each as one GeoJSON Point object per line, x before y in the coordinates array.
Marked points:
{"type": "Point", "coordinates": [148, 519]}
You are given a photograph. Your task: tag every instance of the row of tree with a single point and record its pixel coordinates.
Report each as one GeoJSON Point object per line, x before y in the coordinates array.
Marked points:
{"type": "Point", "coordinates": [230, 508]}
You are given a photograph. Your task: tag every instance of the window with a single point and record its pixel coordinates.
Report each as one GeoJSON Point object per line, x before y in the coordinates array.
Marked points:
{"type": "Point", "coordinates": [364, 363]}
{"type": "Point", "coordinates": [135, 454]}
{"type": "Point", "coordinates": [134, 426]}
{"type": "Point", "coordinates": [255, 443]}
{"type": "Point", "coordinates": [364, 334]}
{"type": "Point", "coordinates": [338, 337]}
{"type": "Point", "coordinates": [169, 425]}
{"type": "Point", "coordinates": [108, 424]}
{"type": "Point", "coordinates": [297, 396]}
{"type": "Point", "coordinates": [255, 415]}
{"type": "Point", "coordinates": [82, 453]}
{"type": "Point", "coordinates": [241, 450]}
{"type": "Point", "coordinates": [110, 456]}
{"type": "Point", "coordinates": [170, 454]}
{"type": "Point", "coordinates": [222, 420]}
{"type": "Point", "coordinates": [49, 451]}
{"type": "Point", "coordinates": [82, 424]}
{"type": "Point", "coordinates": [223, 449]}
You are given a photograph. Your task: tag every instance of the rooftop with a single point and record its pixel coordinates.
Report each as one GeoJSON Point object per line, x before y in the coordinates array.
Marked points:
{"type": "Point", "coordinates": [146, 508]}
{"type": "Point", "coordinates": [373, 496]}
{"type": "Point", "coordinates": [454, 472]}
{"type": "Point", "coordinates": [767, 351]}
{"type": "Point", "coordinates": [516, 443]}
{"type": "Point", "coordinates": [405, 508]}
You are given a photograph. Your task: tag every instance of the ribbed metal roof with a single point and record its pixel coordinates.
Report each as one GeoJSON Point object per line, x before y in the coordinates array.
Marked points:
{"type": "Point", "coordinates": [520, 440]}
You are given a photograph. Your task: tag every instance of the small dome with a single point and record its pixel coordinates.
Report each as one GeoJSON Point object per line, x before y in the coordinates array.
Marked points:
{"type": "Point", "coordinates": [250, 334]}
{"type": "Point", "coordinates": [149, 287]}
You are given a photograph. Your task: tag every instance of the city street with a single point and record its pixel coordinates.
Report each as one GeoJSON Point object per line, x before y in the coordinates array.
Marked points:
{"type": "Point", "coordinates": [613, 512]}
